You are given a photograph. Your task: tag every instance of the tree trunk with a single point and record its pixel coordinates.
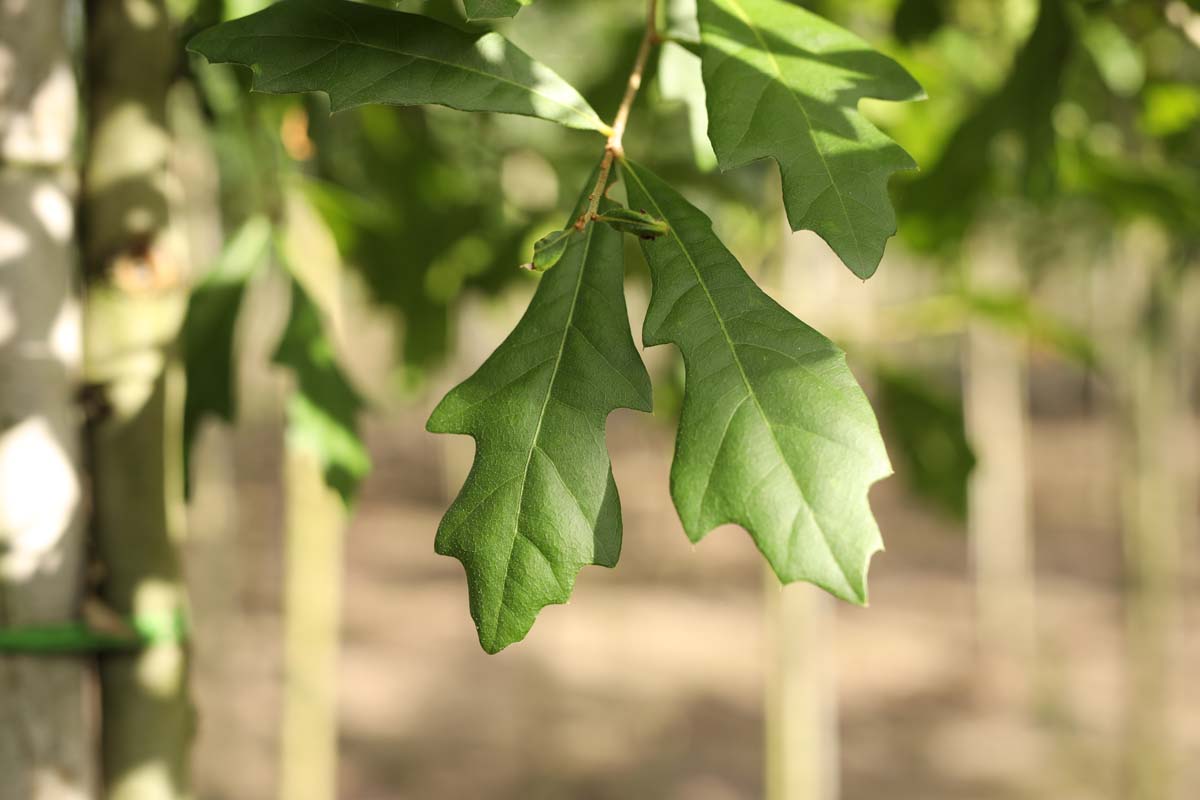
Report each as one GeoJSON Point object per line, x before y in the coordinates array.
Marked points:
{"type": "Point", "coordinates": [135, 299]}
{"type": "Point", "coordinates": [999, 524]}
{"type": "Point", "coordinates": [45, 726]}
{"type": "Point", "coordinates": [1151, 492]}
{"type": "Point", "coordinates": [801, 697]}
{"type": "Point", "coordinates": [316, 518]}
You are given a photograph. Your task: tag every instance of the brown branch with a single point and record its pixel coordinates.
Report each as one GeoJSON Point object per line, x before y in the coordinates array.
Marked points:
{"type": "Point", "coordinates": [615, 147]}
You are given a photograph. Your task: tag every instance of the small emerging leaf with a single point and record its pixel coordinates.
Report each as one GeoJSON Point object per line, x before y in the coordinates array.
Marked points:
{"type": "Point", "coordinates": [548, 250]}
{"type": "Point", "coordinates": [785, 84]}
{"type": "Point", "coordinates": [361, 54]}
{"type": "Point", "coordinates": [775, 434]}
{"type": "Point", "coordinates": [540, 502]}
{"type": "Point", "coordinates": [639, 223]}
{"type": "Point", "coordinates": [494, 9]}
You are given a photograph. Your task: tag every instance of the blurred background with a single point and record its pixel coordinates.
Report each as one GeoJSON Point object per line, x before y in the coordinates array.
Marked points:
{"type": "Point", "coordinates": [1030, 345]}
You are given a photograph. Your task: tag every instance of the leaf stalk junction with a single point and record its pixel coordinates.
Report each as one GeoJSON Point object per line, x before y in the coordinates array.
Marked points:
{"type": "Point", "coordinates": [614, 148]}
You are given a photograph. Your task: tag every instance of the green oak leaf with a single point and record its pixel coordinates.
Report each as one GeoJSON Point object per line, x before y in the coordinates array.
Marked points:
{"type": "Point", "coordinates": [775, 434]}
{"type": "Point", "coordinates": [208, 331]}
{"type": "Point", "coordinates": [322, 411]}
{"type": "Point", "coordinates": [361, 54]}
{"type": "Point", "coordinates": [494, 9]}
{"type": "Point", "coordinates": [785, 84]}
{"type": "Point", "coordinates": [540, 502]}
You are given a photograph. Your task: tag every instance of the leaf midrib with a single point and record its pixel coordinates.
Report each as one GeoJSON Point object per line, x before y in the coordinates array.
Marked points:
{"type": "Point", "coordinates": [537, 431]}
{"type": "Point", "coordinates": [592, 119]}
{"type": "Point", "coordinates": [745, 378]}
{"type": "Point", "coordinates": [749, 23]}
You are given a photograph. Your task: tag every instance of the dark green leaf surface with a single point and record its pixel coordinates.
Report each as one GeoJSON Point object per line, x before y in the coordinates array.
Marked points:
{"type": "Point", "coordinates": [785, 84]}
{"type": "Point", "coordinates": [494, 9]}
{"type": "Point", "coordinates": [540, 502]}
{"type": "Point", "coordinates": [322, 411]}
{"type": "Point", "coordinates": [940, 205]}
{"type": "Point", "coordinates": [361, 54]}
{"type": "Point", "coordinates": [775, 434]}
{"type": "Point", "coordinates": [208, 330]}
{"type": "Point", "coordinates": [927, 430]}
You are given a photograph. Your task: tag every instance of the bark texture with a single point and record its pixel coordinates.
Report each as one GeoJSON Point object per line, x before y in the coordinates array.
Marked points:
{"type": "Point", "coordinates": [46, 733]}
{"type": "Point", "coordinates": [135, 299]}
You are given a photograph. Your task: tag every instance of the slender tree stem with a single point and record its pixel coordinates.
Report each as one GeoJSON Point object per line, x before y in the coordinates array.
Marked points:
{"type": "Point", "coordinates": [615, 147]}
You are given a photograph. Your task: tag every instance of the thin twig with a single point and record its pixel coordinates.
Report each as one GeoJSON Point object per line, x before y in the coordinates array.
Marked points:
{"type": "Point", "coordinates": [615, 147]}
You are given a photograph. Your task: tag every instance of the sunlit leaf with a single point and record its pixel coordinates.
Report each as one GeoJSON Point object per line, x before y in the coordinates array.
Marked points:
{"type": "Point", "coordinates": [775, 434]}
{"type": "Point", "coordinates": [785, 84]}
{"type": "Point", "coordinates": [361, 54]}
{"type": "Point", "coordinates": [494, 9]}
{"type": "Point", "coordinates": [540, 502]}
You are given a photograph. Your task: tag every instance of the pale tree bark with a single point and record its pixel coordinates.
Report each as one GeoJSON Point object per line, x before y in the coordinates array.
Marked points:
{"type": "Point", "coordinates": [802, 751]}
{"type": "Point", "coordinates": [1154, 446]}
{"type": "Point", "coordinates": [134, 303]}
{"type": "Point", "coordinates": [999, 515]}
{"type": "Point", "coordinates": [316, 520]}
{"type": "Point", "coordinates": [45, 727]}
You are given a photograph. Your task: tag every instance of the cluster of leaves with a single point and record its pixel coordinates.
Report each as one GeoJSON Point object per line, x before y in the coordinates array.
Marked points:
{"type": "Point", "coordinates": [775, 434]}
{"type": "Point", "coordinates": [1074, 118]}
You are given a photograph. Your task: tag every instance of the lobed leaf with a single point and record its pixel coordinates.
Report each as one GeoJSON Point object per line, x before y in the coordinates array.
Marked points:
{"type": "Point", "coordinates": [775, 434]}
{"type": "Point", "coordinates": [361, 54]}
{"type": "Point", "coordinates": [494, 9]}
{"type": "Point", "coordinates": [540, 502]}
{"type": "Point", "coordinates": [785, 84]}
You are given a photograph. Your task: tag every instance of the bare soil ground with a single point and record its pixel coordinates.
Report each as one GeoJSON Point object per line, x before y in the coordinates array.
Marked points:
{"type": "Point", "coordinates": [650, 683]}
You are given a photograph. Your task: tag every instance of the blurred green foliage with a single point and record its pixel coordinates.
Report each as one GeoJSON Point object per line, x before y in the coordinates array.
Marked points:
{"type": "Point", "coordinates": [1070, 117]}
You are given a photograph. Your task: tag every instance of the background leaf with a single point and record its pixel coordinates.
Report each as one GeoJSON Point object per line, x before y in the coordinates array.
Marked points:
{"type": "Point", "coordinates": [209, 327]}
{"type": "Point", "coordinates": [941, 203]}
{"type": "Point", "coordinates": [775, 434]}
{"type": "Point", "coordinates": [540, 502]}
{"type": "Point", "coordinates": [322, 411]}
{"type": "Point", "coordinates": [784, 83]}
{"type": "Point", "coordinates": [361, 54]}
{"type": "Point", "coordinates": [929, 436]}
